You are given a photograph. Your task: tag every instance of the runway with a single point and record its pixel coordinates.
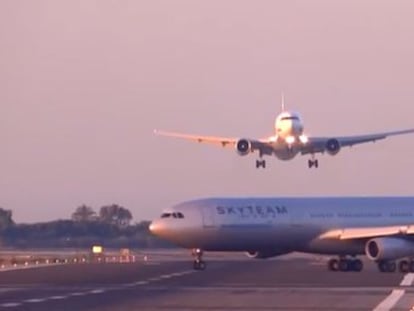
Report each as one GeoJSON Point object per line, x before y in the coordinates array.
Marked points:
{"type": "Point", "coordinates": [231, 282]}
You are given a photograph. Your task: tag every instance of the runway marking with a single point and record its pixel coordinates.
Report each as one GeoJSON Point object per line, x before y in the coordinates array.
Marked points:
{"type": "Point", "coordinates": [35, 300]}
{"type": "Point", "coordinates": [97, 290]}
{"type": "Point", "coordinates": [77, 294]}
{"type": "Point", "coordinates": [57, 297]}
{"type": "Point", "coordinates": [392, 299]}
{"type": "Point", "coordinates": [408, 279]}
{"type": "Point", "coordinates": [10, 304]}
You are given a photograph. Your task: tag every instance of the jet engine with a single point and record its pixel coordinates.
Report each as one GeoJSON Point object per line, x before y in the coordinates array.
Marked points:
{"type": "Point", "coordinates": [265, 254]}
{"type": "Point", "coordinates": [388, 248]}
{"type": "Point", "coordinates": [243, 146]}
{"type": "Point", "coordinates": [332, 146]}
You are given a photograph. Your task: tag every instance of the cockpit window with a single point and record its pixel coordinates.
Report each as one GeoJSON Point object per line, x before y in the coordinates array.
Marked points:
{"type": "Point", "coordinates": [174, 215]}
{"type": "Point", "coordinates": [290, 118]}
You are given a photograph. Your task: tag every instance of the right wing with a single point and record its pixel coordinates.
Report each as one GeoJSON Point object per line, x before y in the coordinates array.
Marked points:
{"type": "Point", "coordinates": [319, 144]}
{"type": "Point", "coordinates": [263, 146]}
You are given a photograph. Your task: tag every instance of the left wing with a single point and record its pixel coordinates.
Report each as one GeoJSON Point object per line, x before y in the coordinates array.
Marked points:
{"type": "Point", "coordinates": [223, 141]}
{"type": "Point", "coordinates": [333, 144]}
{"type": "Point", "coordinates": [367, 232]}
{"type": "Point", "coordinates": [261, 145]}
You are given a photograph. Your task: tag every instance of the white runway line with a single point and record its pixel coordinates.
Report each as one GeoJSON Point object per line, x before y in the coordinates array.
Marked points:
{"type": "Point", "coordinates": [395, 295]}
{"type": "Point", "coordinates": [57, 297]}
{"type": "Point", "coordinates": [10, 304]}
{"type": "Point", "coordinates": [35, 300]}
{"type": "Point", "coordinates": [96, 291]}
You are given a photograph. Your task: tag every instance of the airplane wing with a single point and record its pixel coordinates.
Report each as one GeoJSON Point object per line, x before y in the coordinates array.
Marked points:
{"type": "Point", "coordinates": [322, 144]}
{"type": "Point", "coordinates": [367, 232]}
{"type": "Point", "coordinates": [262, 146]}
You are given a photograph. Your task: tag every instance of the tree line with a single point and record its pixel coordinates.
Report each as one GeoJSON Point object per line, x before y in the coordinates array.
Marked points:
{"type": "Point", "coordinates": [110, 226]}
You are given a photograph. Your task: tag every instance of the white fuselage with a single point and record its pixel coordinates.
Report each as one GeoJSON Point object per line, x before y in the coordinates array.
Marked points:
{"type": "Point", "coordinates": [288, 135]}
{"type": "Point", "coordinates": [280, 224]}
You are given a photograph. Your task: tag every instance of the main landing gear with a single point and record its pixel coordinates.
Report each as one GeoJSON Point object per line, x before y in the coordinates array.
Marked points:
{"type": "Point", "coordinates": [403, 266]}
{"type": "Point", "coordinates": [345, 264]}
{"type": "Point", "coordinates": [260, 163]}
{"type": "Point", "coordinates": [198, 263]}
{"type": "Point", "coordinates": [312, 162]}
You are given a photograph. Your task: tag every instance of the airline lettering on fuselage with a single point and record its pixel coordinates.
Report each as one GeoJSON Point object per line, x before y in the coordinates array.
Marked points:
{"type": "Point", "coordinates": [252, 210]}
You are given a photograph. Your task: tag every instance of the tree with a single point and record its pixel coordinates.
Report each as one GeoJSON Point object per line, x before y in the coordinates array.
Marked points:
{"type": "Point", "coordinates": [5, 218]}
{"type": "Point", "coordinates": [84, 213]}
{"type": "Point", "coordinates": [115, 214]}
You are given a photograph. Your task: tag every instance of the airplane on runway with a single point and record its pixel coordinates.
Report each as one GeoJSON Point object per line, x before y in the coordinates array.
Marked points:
{"type": "Point", "coordinates": [382, 228]}
{"type": "Point", "coordinates": [288, 140]}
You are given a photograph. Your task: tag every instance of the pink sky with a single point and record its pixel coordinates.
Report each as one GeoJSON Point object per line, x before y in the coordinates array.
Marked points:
{"type": "Point", "coordinates": [84, 83]}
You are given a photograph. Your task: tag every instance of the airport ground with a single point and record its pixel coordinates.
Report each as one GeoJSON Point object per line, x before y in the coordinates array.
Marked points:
{"type": "Point", "coordinates": [166, 281]}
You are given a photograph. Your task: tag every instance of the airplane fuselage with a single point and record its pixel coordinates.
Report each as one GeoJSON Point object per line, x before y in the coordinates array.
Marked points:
{"type": "Point", "coordinates": [281, 224]}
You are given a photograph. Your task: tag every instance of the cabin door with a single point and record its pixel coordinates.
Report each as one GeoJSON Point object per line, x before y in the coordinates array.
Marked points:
{"type": "Point", "coordinates": [208, 217]}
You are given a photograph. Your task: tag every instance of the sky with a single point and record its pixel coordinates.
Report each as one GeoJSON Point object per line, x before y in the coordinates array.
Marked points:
{"type": "Point", "coordinates": [83, 84]}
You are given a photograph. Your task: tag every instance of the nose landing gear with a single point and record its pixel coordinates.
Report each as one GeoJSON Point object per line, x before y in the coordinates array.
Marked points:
{"type": "Point", "coordinates": [198, 263]}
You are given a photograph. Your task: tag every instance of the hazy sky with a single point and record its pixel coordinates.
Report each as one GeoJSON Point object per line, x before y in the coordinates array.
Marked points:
{"type": "Point", "coordinates": [84, 83]}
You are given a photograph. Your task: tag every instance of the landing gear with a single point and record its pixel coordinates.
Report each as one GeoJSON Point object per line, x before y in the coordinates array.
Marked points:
{"type": "Point", "coordinates": [404, 266]}
{"type": "Point", "coordinates": [387, 266]}
{"type": "Point", "coordinates": [198, 263]}
{"type": "Point", "coordinates": [313, 163]}
{"type": "Point", "coordinates": [344, 265]}
{"type": "Point", "coordinates": [260, 163]}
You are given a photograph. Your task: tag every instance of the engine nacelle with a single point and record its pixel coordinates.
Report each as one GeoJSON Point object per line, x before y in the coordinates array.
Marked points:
{"type": "Point", "coordinates": [332, 146]}
{"type": "Point", "coordinates": [243, 146]}
{"type": "Point", "coordinates": [388, 248]}
{"type": "Point", "coordinates": [265, 254]}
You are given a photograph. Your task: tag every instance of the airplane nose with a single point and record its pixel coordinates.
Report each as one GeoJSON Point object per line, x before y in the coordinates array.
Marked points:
{"type": "Point", "coordinates": [154, 227]}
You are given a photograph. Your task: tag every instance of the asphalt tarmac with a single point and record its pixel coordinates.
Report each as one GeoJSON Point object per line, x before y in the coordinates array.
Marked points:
{"type": "Point", "coordinates": [231, 282]}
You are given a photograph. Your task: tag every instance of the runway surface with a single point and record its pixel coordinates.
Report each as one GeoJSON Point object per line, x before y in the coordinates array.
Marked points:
{"type": "Point", "coordinates": [231, 282]}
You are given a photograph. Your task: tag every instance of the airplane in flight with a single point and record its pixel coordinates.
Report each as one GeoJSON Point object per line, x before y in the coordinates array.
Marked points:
{"type": "Point", "coordinates": [382, 228]}
{"type": "Point", "coordinates": [287, 141]}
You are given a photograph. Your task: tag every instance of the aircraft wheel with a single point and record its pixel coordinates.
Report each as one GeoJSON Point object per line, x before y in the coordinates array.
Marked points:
{"type": "Point", "coordinates": [260, 163]}
{"type": "Point", "coordinates": [344, 265]}
{"type": "Point", "coordinates": [313, 163]}
{"type": "Point", "coordinates": [404, 266]}
{"type": "Point", "coordinates": [333, 264]}
{"type": "Point", "coordinates": [202, 265]}
{"type": "Point", "coordinates": [392, 266]}
{"type": "Point", "coordinates": [199, 265]}
{"type": "Point", "coordinates": [412, 266]}
{"type": "Point", "coordinates": [382, 266]}
{"type": "Point", "coordinates": [387, 266]}
{"type": "Point", "coordinates": [357, 265]}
